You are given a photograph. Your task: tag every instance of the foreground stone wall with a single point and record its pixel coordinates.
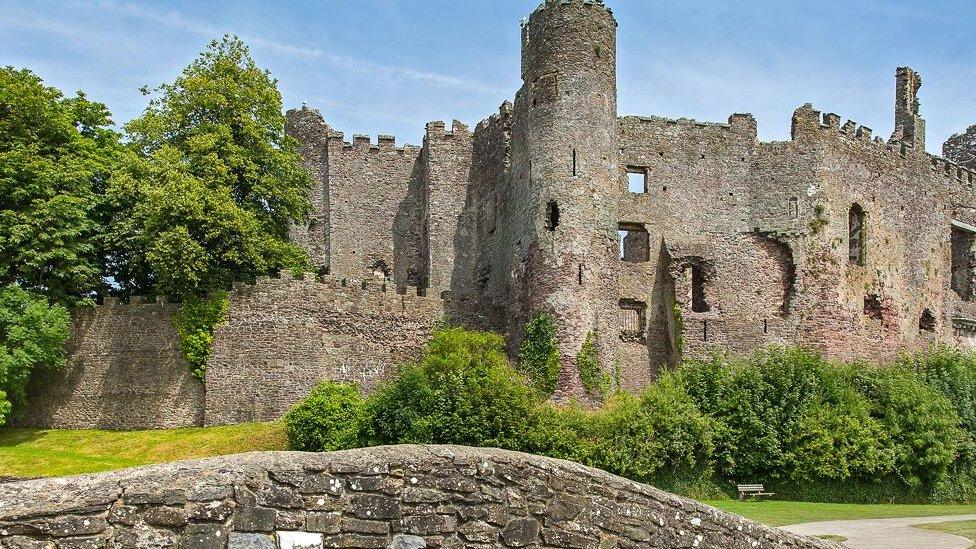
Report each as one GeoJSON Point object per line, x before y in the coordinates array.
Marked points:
{"type": "Point", "coordinates": [399, 496]}
{"type": "Point", "coordinates": [124, 371]}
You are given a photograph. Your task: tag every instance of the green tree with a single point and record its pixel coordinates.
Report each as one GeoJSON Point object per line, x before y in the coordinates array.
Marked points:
{"type": "Point", "coordinates": [56, 154]}
{"type": "Point", "coordinates": [212, 184]}
{"type": "Point", "coordinates": [32, 335]}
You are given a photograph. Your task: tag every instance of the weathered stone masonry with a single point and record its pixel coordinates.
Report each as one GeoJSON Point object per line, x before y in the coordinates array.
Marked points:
{"type": "Point", "coordinates": [661, 238]}
{"type": "Point", "coordinates": [403, 497]}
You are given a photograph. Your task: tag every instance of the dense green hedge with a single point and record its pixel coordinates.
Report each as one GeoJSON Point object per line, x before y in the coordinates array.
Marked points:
{"type": "Point", "coordinates": [806, 427]}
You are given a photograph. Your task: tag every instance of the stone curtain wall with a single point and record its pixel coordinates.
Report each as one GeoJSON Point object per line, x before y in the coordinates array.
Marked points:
{"type": "Point", "coordinates": [399, 496]}
{"type": "Point", "coordinates": [285, 335]}
{"type": "Point", "coordinates": [124, 371]}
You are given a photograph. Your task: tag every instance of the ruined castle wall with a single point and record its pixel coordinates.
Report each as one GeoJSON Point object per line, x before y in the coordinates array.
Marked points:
{"type": "Point", "coordinates": [447, 224]}
{"type": "Point", "coordinates": [961, 148]}
{"type": "Point", "coordinates": [375, 204]}
{"type": "Point", "coordinates": [310, 130]}
{"type": "Point", "coordinates": [874, 307]}
{"type": "Point", "coordinates": [124, 371]}
{"type": "Point", "coordinates": [285, 335]}
{"type": "Point", "coordinates": [394, 496]}
{"type": "Point", "coordinates": [696, 212]}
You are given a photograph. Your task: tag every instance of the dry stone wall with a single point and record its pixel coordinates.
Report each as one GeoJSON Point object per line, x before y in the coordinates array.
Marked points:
{"type": "Point", "coordinates": [403, 497]}
{"type": "Point", "coordinates": [285, 335]}
{"type": "Point", "coordinates": [124, 371]}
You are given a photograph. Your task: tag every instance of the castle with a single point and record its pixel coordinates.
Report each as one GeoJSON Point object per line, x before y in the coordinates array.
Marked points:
{"type": "Point", "coordinates": [657, 238]}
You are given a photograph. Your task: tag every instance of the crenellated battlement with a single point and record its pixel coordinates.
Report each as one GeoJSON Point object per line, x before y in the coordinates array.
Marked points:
{"type": "Point", "coordinates": [364, 143]}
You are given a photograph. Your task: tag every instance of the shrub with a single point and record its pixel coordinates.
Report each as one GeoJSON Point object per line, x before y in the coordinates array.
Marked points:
{"type": "Point", "coordinates": [195, 324]}
{"type": "Point", "coordinates": [538, 357]}
{"type": "Point", "coordinates": [463, 391]}
{"type": "Point", "coordinates": [564, 432]}
{"type": "Point", "coordinates": [919, 421]}
{"type": "Point", "coordinates": [32, 336]}
{"type": "Point", "coordinates": [329, 418]}
{"type": "Point", "coordinates": [660, 437]}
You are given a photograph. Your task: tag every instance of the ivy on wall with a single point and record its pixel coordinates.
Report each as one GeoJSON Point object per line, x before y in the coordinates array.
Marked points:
{"type": "Point", "coordinates": [195, 322]}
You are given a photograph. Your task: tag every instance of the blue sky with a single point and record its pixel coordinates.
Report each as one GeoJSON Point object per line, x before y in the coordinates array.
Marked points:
{"type": "Point", "coordinates": [389, 66]}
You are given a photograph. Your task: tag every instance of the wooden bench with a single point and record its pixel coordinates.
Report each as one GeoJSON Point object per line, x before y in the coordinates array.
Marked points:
{"type": "Point", "coordinates": [752, 491]}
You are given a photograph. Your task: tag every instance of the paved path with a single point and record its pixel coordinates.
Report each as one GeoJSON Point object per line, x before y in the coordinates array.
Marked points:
{"type": "Point", "coordinates": [887, 533]}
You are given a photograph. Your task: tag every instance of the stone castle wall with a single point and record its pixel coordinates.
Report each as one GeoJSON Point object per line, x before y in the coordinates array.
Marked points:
{"type": "Point", "coordinates": [124, 371]}
{"type": "Point", "coordinates": [285, 335]}
{"type": "Point", "coordinates": [402, 497]}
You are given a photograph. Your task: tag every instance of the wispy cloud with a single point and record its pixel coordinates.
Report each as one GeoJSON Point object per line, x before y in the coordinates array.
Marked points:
{"type": "Point", "coordinates": [176, 20]}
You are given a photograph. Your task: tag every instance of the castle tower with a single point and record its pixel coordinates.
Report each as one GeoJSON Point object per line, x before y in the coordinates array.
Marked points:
{"type": "Point", "coordinates": [909, 126]}
{"type": "Point", "coordinates": [565, 172]}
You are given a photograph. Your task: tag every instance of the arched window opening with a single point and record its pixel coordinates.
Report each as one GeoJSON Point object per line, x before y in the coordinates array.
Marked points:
{"type": "Point", "coordinates": [926, 322]}
{"type": "Point", "coordinates": [855, 235]}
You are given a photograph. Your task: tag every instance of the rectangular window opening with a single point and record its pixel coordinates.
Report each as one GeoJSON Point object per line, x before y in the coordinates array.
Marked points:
{"type": "Point", "coordinates": [962, 243]}
{"type": "Point", "coordinates": [637, 180]}
{"type": "Point", "coordinates": [634, 242]}
{"type": "Point", "coordinates": [633, 319]}
{"type": "Point", "coordinates": [552, 215]}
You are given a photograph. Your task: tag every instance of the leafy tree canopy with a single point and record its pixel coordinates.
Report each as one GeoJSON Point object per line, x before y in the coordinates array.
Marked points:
{"type": "Point", "coordinates": [32, 335]}
{"type": "Point", "coordinates": [56, 154]}
{"type": "Point", "coordinates": [212, 181]}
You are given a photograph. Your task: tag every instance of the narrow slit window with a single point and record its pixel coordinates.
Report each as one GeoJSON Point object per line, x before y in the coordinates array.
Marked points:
{"type": "Point", "coordinates": [855, 238]}
{"type": "Point", "coordinates": [698, 302]}
{"type": "Point", "coordinates": [552, 215]}
{"type": "Point", "coordinates": [574, 162]}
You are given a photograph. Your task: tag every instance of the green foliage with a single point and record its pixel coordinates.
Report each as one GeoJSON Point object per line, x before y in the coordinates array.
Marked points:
{"type": "Point", "coordinates": [56, 154]}
{"type": "Point", "coordinates": [588, 363]}
{"type": "Point", "coordinates": [330, 418]}
{"type": "Point", "coordinates": [538, 356]}
{"type": "Point", "coordinates": [660, 437]}
{"type": "Point", "coordinates": [463, 391]}
{"type": "Point", "coordinates": [195, 324]}
{"type": "Point", "coordinates": [564, 432]}
{"type": "Point", "coordinates": [211, 182]}
{"type": "Point", "coordinates": [32, 336]}
{"type": "Point", "coordinates": [679, 328]}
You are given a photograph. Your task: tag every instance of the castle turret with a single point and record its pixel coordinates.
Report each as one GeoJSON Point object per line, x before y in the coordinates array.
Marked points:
{"type": "Point", "coordinates": [565, 172]}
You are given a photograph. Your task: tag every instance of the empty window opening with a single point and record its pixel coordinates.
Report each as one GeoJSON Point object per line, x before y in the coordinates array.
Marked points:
{"type": "Point", "coordinates": [926, 322]}
{"type": "Point", "coordinates": [962, 243]}
{"type": "Point", "coordinates": [872, 307]}
{"type": "Point", "coordinates": [552, 215]}
{"type": "Point", "coordinates": [704, 330]}
{"type": "Point", "coordinates": [380, 270]}
{"type": "Point", "coordinates": [698, 302]}
{"type": "Point", "coordinates": [637, 180]}
{"type": "Point", "coordinates": [633, 319]}
{"type": "Point", "coordinates": [634, 242]}
{"type": "Point", "coordinates": [855, 235]}
{"type": "Point", "coordinates": [574, 162]}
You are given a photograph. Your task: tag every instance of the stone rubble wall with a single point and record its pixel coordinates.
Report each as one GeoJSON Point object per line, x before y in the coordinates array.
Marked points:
{"type": "Point", "coordinates": [401, 497]}
{"type": "Point", "coordinates": [285, 335]}
{"type": "Point", "coordinates": [124, 371]}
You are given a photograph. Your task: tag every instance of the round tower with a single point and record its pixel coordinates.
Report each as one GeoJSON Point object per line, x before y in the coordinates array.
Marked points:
{"type": "Point", "coordinates": [566, 178]}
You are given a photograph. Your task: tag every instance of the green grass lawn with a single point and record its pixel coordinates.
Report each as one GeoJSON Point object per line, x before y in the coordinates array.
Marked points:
{"type": "Point", "coordinates": [964, 528]}
{"type": "Point", "coordinates": [42, 453]}
{"type": "Point", "coordinates": [778, 513]}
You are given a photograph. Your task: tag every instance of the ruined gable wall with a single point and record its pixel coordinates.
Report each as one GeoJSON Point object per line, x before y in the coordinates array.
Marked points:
{"type": "Point", "coordinates": [310, 130]}
{"type": "Point", "coordinates": [124, 371]}
{"type": "Point", "coordinates": [375, 202]}
{"type": "Point", "coordinates": [285, 335]}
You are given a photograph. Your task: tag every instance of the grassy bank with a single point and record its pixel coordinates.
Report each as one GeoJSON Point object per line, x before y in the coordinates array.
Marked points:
{"type": "Point", "coordinates": [41, 453]}
{"type": "Point", "coordinates": [964, 528]}
{"type": "Point", "coordinates": [779, 513]}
